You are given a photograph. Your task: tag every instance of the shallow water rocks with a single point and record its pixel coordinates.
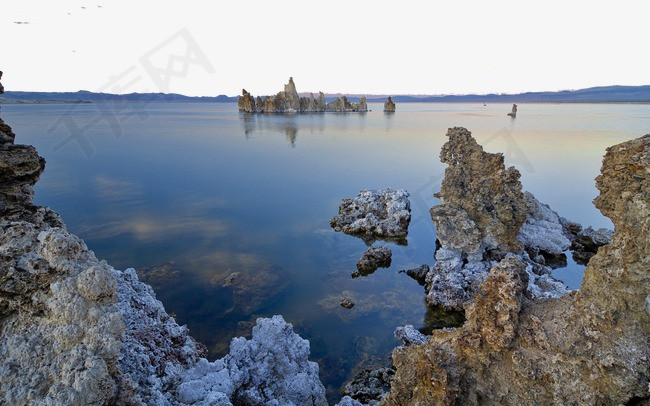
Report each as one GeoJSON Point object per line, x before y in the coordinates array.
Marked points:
{"type": "Point", "coordinates": [389, 105]}
{"type": "Point", "coordinates": [590, 347]}
{"type": "Point", "coordinates": [375, 215]}
{"type": "Point", "coordinates": [368, 387]}
{"type": "Point", "coordinates": [585, 242]}
{"type": "Point", "coordinates": [373, 258]}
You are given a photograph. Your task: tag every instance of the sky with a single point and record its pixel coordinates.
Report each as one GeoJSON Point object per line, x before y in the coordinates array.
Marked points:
{"type": "Point", "coordinates": [207, 48]}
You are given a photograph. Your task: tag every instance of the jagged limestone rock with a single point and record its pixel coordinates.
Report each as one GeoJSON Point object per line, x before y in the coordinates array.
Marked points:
{"type": "Point", "coordinates": [246, 102]}
{"type": "Point", "coordinates": [389, 105]}
{"type": "Point", "coordinates": [479, 222]}
{"type": "Point", "coordinates": [590, 347]}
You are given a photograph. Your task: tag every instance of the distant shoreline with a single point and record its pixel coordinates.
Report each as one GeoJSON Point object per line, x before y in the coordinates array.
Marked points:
{"type": "Point", "coordinates": [599, 95]}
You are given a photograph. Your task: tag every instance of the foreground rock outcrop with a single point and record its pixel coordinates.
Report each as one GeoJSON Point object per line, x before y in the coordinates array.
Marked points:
{"type": "Point", "coordinates": [289, 101]}
{"type": "Point", "coordinates": [375, 215]}
{"type": "Point", "coordinates": [587, 347]}
{"type": "Point", "coordinates": [484, 217]}
{"type": "Point", "coordinates": [75, 331]}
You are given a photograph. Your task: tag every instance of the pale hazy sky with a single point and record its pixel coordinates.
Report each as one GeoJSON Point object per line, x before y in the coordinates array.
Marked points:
{"type": "Point", "coordinates": [393, 47]}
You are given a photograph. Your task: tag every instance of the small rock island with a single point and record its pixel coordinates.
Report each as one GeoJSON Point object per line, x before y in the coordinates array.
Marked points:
{"type": "Point", "coordinates": [289, 101]}
{"type": "Point", "coordinates": [389, 105]}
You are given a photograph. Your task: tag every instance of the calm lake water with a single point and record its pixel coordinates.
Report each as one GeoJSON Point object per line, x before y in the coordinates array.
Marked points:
{"type": "Point", "coordinates": [241, 204]}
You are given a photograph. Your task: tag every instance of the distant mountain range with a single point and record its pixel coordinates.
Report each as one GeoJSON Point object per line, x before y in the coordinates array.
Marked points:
{"type": "Point", "coordinates": [603, 94]}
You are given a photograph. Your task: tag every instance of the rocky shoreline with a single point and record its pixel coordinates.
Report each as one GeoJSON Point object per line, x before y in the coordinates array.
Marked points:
{"type": "Point", "coordinates": [74, 330]}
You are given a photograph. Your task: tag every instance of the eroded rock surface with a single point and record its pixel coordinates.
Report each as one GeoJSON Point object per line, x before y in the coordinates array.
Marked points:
{"type": "Point", "coordinates": [289, 101]}
{"type": "Point", "coordinates": [484, 216]}
{"type": "Point", "coordinates": [375, 215]}
{"type": "Point", "coordinates": [589, 347]}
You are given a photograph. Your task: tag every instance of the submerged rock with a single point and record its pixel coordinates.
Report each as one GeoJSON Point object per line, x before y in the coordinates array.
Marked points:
{"type": "Point", "coordinates": [347, 303]}
{"type": "Point", "coordinates": [373, 258]}
{"type": "Point", "coordinates": [590, 347]}
{"type": "Point", "coordinates": [375, 214]}
{"type": "Point", "coordinates": [389, 105]}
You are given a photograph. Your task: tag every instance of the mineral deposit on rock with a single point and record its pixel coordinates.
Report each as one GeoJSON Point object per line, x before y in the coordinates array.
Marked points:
{"type": "Point", "coordinates": [589, 347]}
{"type": "Point", "coordinates": [375, 214]}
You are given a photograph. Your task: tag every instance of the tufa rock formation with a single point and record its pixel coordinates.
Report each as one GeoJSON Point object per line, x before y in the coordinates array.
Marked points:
{"type": "Point", "coordinates": [288, 101]}
{"type": "Point", "coordinates": [513, 113]}
{"type": "Point", "coordinates": [75, 331]}
{"type": "Point", "coordinates": [389, 105]}
{"type": "Point", "coordinates": [587, 347]}
{"type": "Point", "coordinates": [375, 214]}
{"type": "Point", "coordinates": [483, 217]}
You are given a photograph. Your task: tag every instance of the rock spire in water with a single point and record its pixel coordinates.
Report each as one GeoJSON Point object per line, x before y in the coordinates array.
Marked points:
{"type": "Point", "coordinates": [389, 105]}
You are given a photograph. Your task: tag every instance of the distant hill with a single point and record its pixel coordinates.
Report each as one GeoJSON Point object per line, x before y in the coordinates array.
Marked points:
{"type": "Point", "coordinates": [603, 94]}
{"type": "Point", "coordinates": [84, 96]}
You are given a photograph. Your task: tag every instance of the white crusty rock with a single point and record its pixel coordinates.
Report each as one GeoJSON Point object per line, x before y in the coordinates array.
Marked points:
{"type": "Point", "coordinates": [542, 229]}
{"type": "Point", "coordinates": [410, 335]}
{"type": "Point", "coordinates": [375, 215]}
{"type": "Point", "coordinates": [270, 368]}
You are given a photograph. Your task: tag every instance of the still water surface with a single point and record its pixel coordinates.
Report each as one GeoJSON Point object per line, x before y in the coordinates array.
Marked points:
{"type": "Point", "coordinates": [238, 206]}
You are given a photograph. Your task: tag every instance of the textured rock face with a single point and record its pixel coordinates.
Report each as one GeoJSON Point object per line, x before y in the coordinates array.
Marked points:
{"type": "Point", "coordinates": [389, 105]}
{"type": "Point", "coordinates": [590, 347]}
{"type": "Point", "coordinates": [289, 101]}
{"type": "Point", "coordinates": [246, 102]}
{"type": "Point", "coordinates": [373, 258]}
{"type": "Point", "coordinates": [271, 368]}
{"type": "Point", "coordinates": [478, 184]}
{"type": "Point", "coordinates": [483, 217]}
{"type": "Point", "coordinates": [375, 214]}
{"type": "Point", "coordinates": [368, 387]}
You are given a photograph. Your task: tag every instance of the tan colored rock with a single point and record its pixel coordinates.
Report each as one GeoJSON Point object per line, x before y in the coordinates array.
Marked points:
{"type": "Point", "coordinates": [389, 105]}
{"type": "Point", "coordinates": [246, 102]}
{"type": "Point", "coordinates": [590, 347]}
